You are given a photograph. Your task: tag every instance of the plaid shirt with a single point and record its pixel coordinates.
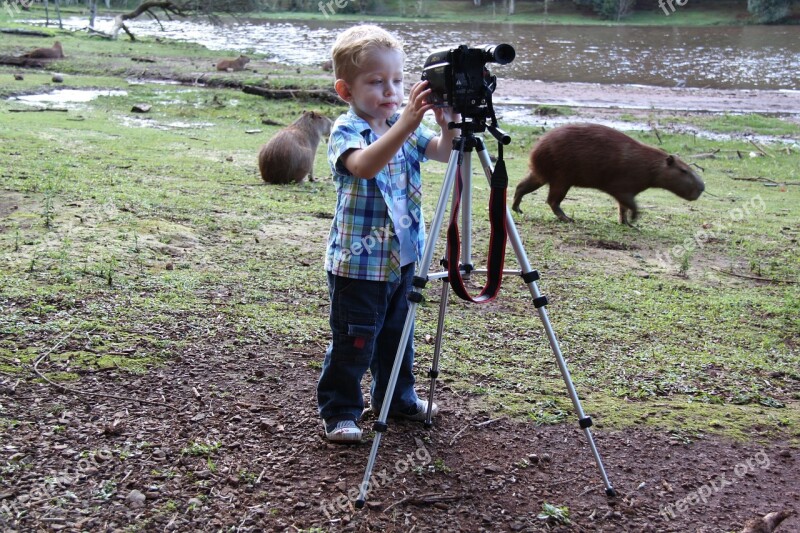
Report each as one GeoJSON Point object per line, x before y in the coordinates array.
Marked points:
{"type": "Point", "coordinates": [362, 243]}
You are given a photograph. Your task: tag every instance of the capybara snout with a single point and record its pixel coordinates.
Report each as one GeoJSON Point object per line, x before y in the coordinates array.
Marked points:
{"type": "Point", "coordinates": [289, 156]}
{"type": "Point", "coordinates": [599, 157]}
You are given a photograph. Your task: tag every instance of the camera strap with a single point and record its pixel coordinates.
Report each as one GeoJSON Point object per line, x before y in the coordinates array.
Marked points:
{"type": "Point", "coordinates": [497, 237]}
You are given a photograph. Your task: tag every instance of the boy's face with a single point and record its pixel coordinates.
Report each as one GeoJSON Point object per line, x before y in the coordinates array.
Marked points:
{"type": "Point", "coordinates": [376, 92]}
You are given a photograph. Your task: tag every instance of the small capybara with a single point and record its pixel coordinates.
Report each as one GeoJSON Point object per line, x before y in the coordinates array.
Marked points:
{"type": "Point", "coordinates": [233, 64]}
{"type": "Point", "coordinates": [591, 155]}
{"type": "Point", "coordinates": [55, 52]}
{"type": "Point", "coordinates": [289, 156]}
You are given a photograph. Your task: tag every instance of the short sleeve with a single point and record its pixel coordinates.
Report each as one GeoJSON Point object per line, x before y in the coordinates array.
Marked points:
{"type": "Point", "coordinates": [424, 136]}
{"type": "Point", "coordinates": [343, 137]}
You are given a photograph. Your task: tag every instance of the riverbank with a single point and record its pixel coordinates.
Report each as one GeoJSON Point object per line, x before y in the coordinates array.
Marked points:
{"type": "Point", "coordinates": [526, 13]}
{"type": "Point", "coordinates": [179, 309]}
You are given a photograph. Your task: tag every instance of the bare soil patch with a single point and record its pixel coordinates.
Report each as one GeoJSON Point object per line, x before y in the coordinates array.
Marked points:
{"type": "Point", "coordinates": [237, 444]}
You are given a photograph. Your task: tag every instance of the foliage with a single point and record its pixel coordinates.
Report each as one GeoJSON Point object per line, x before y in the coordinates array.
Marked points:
{"type": "Point", "coordinates": [553, 513]}
{"type": "Point", "coordinates": [769, 11]}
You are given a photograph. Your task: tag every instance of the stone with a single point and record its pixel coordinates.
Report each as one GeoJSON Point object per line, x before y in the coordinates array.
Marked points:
{"type": "Point", "coordinates": [135, 499]}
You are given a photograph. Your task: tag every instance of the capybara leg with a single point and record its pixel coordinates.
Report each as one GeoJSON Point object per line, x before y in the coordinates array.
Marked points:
{"type": "Point", "coordinates": [554, 199]}
{"type": "Point", "coordinates": [627, 205]}
{"type": "Point", "coordinates": [527, 185]}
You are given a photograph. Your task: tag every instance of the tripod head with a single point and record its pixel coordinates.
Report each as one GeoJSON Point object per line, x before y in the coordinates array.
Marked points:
{"type": "Point", "coordinates": [469, 127]}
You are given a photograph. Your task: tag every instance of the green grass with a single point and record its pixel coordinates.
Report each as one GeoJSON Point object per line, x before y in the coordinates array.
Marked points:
{"type": "Point", "coordinates": [145, 239]}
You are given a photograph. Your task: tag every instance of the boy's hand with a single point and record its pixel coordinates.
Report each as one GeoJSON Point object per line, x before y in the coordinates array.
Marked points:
{"type": "Point", "coordinates": [444, 116]}
{"type": "Point", "coordinates": [416, 107]}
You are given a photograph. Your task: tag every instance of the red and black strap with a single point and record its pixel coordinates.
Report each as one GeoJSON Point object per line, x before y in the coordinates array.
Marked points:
{"type": "Point", "coordinates": [497, 238]}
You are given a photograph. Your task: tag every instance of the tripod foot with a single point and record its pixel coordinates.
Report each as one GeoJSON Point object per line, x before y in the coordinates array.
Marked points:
{"type": "Point", "coordinates": [428, 425]}
{"type": "Point", "coordinates": [611, 493]}
{"type": "Point", "coordinates": [359, 504]}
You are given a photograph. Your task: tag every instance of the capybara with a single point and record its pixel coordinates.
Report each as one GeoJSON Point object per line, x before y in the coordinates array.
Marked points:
{"type": "Point", "coordinates": [55, 52]}
{"type": "Point", "coordinates": [289, 155]}
{"type": "Point", "coordinates": [591, 155]}
{"type": "Point", "coordinates": [233, 64]}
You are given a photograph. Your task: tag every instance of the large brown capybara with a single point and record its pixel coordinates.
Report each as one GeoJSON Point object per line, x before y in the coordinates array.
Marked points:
{"type": "Point", "coordinates": [289, 156]}
{"type": "Point", "coordinates": [55, 52]}
{"type": "Point", "coordinates": [591, 155]}
{"type": "Point", "coordinates": [233, 64]}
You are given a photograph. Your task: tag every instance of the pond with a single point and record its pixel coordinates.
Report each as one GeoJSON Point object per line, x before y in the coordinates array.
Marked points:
{"type": "Point", "coordinates": [722, 57]}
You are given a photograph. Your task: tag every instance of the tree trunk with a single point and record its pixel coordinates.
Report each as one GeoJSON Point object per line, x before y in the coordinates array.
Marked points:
{"type": "Point", "coordinates": [58, 12]}
{"type": "Point", "coordinates": [511, 7]}
{"type": "Point", "coordinates": [147, 6]}
{"type": "Point", "coordinates": [92, 12]}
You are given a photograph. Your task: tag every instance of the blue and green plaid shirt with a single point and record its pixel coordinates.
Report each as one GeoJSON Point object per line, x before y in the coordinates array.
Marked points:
{"type": "Point", "coordinates": [362, 243]}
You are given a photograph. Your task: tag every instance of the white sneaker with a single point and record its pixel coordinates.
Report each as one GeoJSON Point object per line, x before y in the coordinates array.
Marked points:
{"type": "Point", "coordinates": [418, 412]}
{"type": "Point", "coordinates": [342, 431]}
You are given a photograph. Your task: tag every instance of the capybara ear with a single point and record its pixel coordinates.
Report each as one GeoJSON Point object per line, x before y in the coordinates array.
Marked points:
{"type": "Point", "coordinates": [670, 160]}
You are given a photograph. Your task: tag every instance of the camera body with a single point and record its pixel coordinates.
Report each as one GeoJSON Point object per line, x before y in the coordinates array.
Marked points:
{"type": "Point", "coordinates": [458, 77]}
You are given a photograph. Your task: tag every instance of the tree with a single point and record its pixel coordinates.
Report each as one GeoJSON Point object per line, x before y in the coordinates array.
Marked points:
{"type": "Point", "coordinates": [610, 9]}
{"type": "Point", "coordinates": [769, 11]}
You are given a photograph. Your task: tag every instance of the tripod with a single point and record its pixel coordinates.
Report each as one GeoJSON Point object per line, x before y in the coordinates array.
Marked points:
{"type": "Point", "coordinates": [460, 161]}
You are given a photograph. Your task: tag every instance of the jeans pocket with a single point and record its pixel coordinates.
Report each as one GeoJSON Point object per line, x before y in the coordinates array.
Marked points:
{"type": "Point", "coordinates": [358, 342]}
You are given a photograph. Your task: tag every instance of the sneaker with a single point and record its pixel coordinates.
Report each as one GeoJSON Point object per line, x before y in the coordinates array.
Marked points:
{"type": "Point", "coordinates": [417, 412]}
{"type": "Point", "coordinates": [342, 431]}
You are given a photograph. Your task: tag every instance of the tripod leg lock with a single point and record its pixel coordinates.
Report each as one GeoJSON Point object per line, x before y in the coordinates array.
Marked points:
{"type": "Point", "coordinates": [415, 297]}
{"type": "Point", "coordinates": [541, 301]}
{"type": "Point", "coordinates": [380, 427]}
{"type": "Point", "coordinates": [531, 276]}
{"type": "Point", "coordinates": [585, 422]}
{"type": "Point", "coordinates": [419, 282]}
{"type": "Point", "coordinates": [434, 374]}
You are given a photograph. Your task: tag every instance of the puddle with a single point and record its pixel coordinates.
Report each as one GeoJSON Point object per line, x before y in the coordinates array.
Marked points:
{"type": "Point", "coordinates": [135, 81]}
{"type": "Point", "coordinates": [141, 122]}
{"type": "Point", "coordinates": [65, 97]}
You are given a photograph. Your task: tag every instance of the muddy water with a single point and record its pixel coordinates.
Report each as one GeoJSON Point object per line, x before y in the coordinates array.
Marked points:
{"type": "Point", "coordinates": [749, 57]}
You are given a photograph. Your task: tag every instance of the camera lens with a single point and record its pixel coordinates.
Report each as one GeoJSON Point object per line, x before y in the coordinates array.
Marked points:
{"type": "Point", "coordinates": [501, 53]}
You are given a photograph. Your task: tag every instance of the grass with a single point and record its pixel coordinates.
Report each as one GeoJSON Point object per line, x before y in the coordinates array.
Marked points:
{"type": "Point", "coordinates": [145, 235]}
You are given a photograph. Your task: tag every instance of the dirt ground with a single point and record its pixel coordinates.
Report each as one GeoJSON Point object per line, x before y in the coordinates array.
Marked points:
{"type": "Point", "coordinates": [230, 440]}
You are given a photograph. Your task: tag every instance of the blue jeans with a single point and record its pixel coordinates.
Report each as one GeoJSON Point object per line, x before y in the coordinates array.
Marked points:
{"type": "Point", "coordinates": [367, 319]}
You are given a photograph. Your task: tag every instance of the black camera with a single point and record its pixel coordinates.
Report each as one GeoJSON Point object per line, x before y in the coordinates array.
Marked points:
{"type": "Point", "coordinates": [458, 77]}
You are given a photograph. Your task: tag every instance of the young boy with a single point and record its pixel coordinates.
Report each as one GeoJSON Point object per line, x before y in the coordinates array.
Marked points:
{"type": "Point", "coordinates": [377, 233]}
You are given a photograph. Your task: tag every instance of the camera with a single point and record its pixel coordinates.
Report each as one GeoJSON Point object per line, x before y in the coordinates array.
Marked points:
{"type": "Point", "coordinates": [458, 77]}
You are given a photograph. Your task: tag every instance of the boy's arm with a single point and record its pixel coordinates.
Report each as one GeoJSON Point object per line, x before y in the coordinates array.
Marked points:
{"type": "Point", "coordinates": [440, 146]}
{"type": "Point", "coordinates": [367, 162]}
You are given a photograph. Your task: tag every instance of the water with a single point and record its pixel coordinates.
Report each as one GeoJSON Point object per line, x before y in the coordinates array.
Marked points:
{"type": "Point", "coordinates": [722, 57]}
{"type": "Point", "coordinates": [65, 96]}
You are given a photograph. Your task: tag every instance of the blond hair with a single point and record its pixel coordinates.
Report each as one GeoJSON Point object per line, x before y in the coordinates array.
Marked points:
{"type": "Point", "coordinates": [355, 44]}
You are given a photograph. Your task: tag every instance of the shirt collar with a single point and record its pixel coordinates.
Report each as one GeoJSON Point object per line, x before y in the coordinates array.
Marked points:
{"type": "Point", "coordinates": [362, 126]}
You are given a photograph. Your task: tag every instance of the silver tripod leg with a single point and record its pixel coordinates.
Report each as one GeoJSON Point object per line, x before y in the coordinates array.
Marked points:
{"type": "Point", "coordinates": [414, 298]}
{"type": "Point", "coordinates": [530, 276]}
{"type": "Point", "coordinates": [466, 251]}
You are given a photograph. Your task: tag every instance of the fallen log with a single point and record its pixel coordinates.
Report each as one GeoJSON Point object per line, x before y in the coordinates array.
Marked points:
{"type": "Point", "coordinates": [25, 62]}
{"type": "Point", "coordinates": [323, 95]}
{"type": "Point", "coordinates": [30, 33]}
{"type": "Point", "coordinates": [39, 110]}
